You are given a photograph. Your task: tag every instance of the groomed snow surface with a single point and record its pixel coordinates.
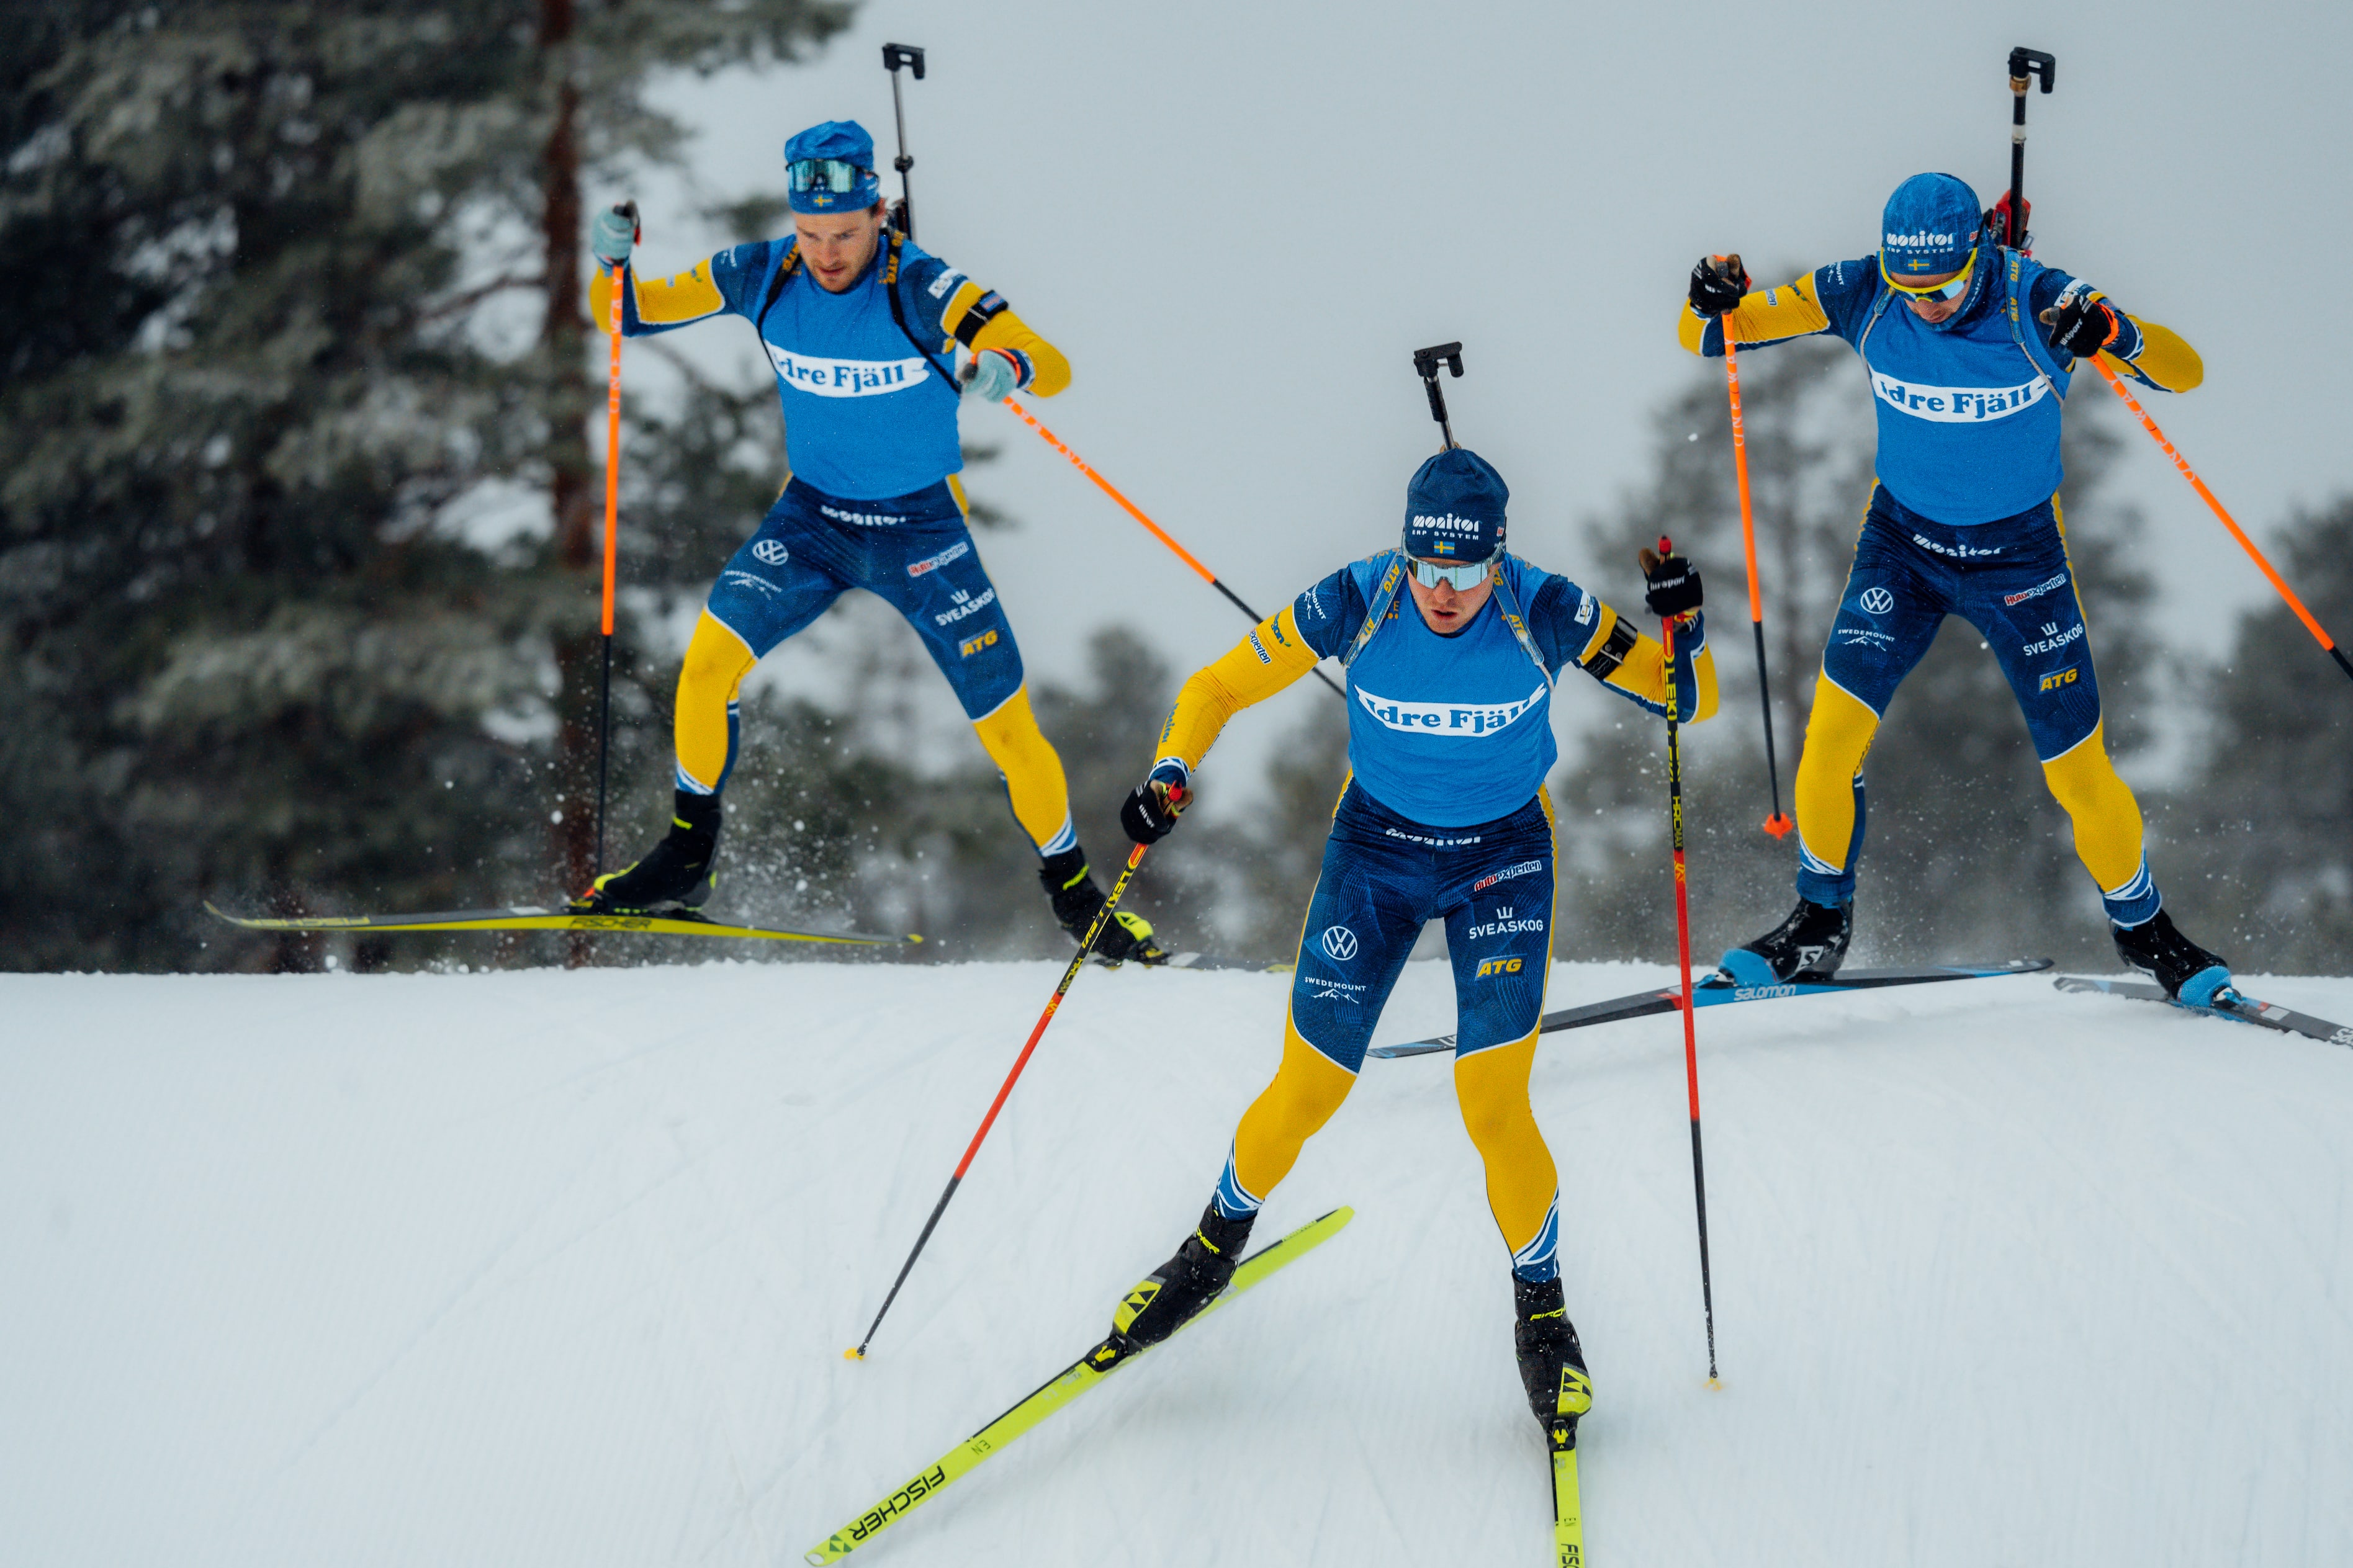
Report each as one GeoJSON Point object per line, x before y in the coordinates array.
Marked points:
{"type": "Point", "coordinates": [549, 1268]}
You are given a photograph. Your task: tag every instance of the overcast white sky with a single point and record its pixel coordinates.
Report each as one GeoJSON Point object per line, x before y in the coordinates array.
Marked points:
{"type": "Point", "coordinates": [1239, 220]}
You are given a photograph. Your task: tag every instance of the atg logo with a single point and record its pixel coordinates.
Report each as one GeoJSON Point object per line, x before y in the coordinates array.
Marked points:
{"type": "Point", "coordinates": [1339, 943]}
{"type": "Point", "coordinates": [1499, 966]}
{"type": "Point", "coordinates": [770, 552]}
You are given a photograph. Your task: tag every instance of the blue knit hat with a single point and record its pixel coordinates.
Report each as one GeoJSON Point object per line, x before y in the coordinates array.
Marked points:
{"type": "Point", "coordinates": [1930, 226]}
{"type": "Point", "coordinates": [1454, 509]}
{"type": "Point", "coordinates": [847, 141]}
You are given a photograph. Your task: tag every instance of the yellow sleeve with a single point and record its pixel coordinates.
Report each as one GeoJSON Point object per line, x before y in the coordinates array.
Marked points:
{"type": "Point", "coordinates": [1766, 316]}
{"type": "Point", "coordinates": [2166, 362]}
{"type": "Point", "coordinates": [1048, 371]}
{"type": "Point", "coordinates": [672, 301]}
{"type": "Point", "coordinates": [1271, 657]}
{"type": "Point", "coordinates": [1635, 663]}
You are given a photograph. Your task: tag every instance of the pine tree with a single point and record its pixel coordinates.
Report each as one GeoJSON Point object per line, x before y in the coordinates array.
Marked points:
{"type": "Point", "coordinates": [249, 651]}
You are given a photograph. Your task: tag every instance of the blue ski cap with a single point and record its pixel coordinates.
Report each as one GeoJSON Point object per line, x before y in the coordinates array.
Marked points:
{"type": "Point", "coordinates": [847, 141]}
{"type": "Point", "coordinates": [1454, 509]}
{"type": "Point", "coordinates": [1930, 226]}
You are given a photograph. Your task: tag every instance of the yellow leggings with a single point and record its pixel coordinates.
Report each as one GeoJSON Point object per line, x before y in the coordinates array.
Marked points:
{"type": "Point", "coordinates": [712, 679]}
{"type": "Point", "coordinates": [1491, 1086]}
{"type": "Point", "coordinates": [2083, 781]}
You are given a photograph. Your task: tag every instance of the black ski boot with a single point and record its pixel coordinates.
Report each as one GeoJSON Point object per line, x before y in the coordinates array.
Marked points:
{"type": "Point", "coordinates": [675, 875]}
{"type": "Point", "coordinates": [2186, 970]}
{"type": "Point", "coordinates": [1181, 1286]}
{"type": "Point", "coordinates": [1070, 889]}
{"type": "Point", "coordinates": [1552, 1363]}
{"type": "Point", "coordinates": [1810, 945]}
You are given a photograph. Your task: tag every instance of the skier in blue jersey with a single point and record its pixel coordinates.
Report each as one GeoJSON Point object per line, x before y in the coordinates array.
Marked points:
{"type": "Point", "coordinates": [1970, 347]}
{"type": "Point", "coordinates": [861, 329]}
{"type": "Point", "coordinates": [1450, 646]}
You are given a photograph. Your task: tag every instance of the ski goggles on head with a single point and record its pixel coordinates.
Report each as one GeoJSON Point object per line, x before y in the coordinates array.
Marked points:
{"type": "Point", "coordinates": [1951, 289]}
{"type": "Point", "coordinates": [1463, 579]}
{"type": "Point", "coordinates": [835, 174]}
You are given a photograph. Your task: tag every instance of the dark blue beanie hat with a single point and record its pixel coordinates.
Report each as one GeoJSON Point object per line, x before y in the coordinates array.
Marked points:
{"type": "Point", "coordinates": [1454, 509]}
{"type": "Point", "coordinates": [847, 141]}
{"type": "Point", "coordinates": [1929, 227]}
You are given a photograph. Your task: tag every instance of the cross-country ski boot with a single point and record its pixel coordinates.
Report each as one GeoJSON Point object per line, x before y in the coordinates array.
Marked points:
{"type": "Point", "coordinates": [1810, 945]}
{"type": "Point", "coordinates": [1187, 1282]}
{"type": "Point", "coordinates": [1552, 1363]}
{"type": "Point", "coordinates": [2186, 970]}
{"type": "Point", "coordinates": [1070, 889]}
{"type": "Point", "coordinates": [675, 877]}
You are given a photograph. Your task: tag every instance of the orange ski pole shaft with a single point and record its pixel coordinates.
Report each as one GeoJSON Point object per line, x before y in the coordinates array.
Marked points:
{"type": "Point", "coordinates": [1158, 532]}
{"type": "Point", "coordinates": [1005, 1092]}
{"type": "Point", "coordinates": [612, 549]}
{"type": "Point", "coordinates": [1778, 824]}
{"type": "Point", "coordinates": [2311, 624]}
{"type": "Point", "coordinates": [1682, 955]}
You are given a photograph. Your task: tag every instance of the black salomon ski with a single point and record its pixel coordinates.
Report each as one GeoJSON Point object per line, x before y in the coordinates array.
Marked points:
{"type": "Point", "coordinates": [1716, 991]}
{"type": "Point", "coordinates": [2227, 1003]}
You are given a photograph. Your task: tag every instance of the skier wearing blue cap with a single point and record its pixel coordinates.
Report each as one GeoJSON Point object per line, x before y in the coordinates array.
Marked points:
{"type": "Point", "coordinates": [1443, 816]}
{"type": "Point", "coordinates": [1970, 346]}
{"type": "Point", "coordinates": [861, 328]}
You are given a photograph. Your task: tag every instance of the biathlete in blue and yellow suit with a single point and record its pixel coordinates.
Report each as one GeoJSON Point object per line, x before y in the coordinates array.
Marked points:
{"type": "Point", "coordinates": [1970, 346]}
{"type": "Point", "coordinates": [1451, 647]}
{"type": "Point", "coordinates": [861, 328]}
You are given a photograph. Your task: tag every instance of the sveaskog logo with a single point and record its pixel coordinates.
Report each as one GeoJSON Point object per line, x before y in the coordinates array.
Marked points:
{"type": "Point", "coordinates": [1339, 943]}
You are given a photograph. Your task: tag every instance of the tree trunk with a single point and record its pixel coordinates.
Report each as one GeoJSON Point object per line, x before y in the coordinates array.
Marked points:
{"type": "Point", "coordinates": [563, 339]}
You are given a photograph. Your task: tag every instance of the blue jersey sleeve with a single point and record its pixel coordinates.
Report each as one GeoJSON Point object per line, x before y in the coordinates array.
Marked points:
{"type": "Point", "coordinates": [1330, 613]}
{"type": "Point", "coordinates": [1846, 291]}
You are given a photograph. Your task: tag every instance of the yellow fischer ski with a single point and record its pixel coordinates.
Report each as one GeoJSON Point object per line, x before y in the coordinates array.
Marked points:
{"type": "Point", "coordinates": [1066, 1385]}
{"type": "Point", "coordinates": [526, 917]}
{"type": "Point", "coordinates": [1568, 1509]}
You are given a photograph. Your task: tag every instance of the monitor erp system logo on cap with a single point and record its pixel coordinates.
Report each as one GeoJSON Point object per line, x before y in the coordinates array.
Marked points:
{"type": "Point", "coordinates": [1930, 226]}
{"type": "Point", "coordinates": [1454, 509]}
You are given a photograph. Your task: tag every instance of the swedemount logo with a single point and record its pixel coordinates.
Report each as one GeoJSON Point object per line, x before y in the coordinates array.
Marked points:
{"type": "Point", "coordinates": [1466, 720]}
{"type": "Point", "coordinates": [1957, 404]}
{"type": "Point", "coordinates": [845, 377]}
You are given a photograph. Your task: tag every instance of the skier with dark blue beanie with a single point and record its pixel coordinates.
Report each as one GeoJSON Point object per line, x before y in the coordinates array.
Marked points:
{"type": "Point", "coordinates": [1970, 346]}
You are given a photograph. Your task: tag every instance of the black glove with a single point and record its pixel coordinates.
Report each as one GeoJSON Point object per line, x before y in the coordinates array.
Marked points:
{"type": "Point", "coordinates": [1153, 807]}
{"type": "Point", "coordinates": [1670, 584]}
{"type": "Point", "coordinates": [1717, 283]}
{"type": "Point", "coordinates": [2080, 325]}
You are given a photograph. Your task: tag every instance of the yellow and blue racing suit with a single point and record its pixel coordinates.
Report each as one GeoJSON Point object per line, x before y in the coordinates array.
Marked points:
{"type": "Point", "coordinates": [865, 380]}
{"type": "Point", "coordinates": [1443, 817]}
{"type": "Point", "coordinates": [1965, 520]}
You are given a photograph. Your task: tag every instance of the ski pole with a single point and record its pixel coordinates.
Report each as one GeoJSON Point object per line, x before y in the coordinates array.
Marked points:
{"type": "Point", "coordinates": [1425, 366]}
{"type": "Point", "coordinates": [1778, 824]}
{"type": "Point", "coordinates": [2310, 623]}
{"type": "Point", "coordinates": [1682, 953]}
{"type": "Point", "coordinates": [1151, 527]}
{"type": "Point", "coordinates": [612, 544]}
{"type": "Point", "coordinates": [2024, 65]}
{"type": "Point", "coordinates": [1086, 945]}
{"type": "Point", "coordinates": [893, 57]}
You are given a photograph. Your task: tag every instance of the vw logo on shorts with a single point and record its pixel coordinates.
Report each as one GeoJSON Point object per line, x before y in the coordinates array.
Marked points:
{"type": "Point", "coordinates": [771, 551]}
{"type": "Point", "coordinates": [1876, 601]}
{"type": "Point", "coordinates": [1339, 943]}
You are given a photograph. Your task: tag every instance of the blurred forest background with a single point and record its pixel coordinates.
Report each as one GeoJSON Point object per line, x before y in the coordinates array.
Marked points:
{"type": "Point", "coordinates": [297, 299]}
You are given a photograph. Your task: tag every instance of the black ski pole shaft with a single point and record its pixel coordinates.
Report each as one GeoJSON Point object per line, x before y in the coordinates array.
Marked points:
{"type": "Point", "coordinates": [2024, 65]}
{"type": "Point", "coordinates": [1778, 824]}
{"type": "Point", "coordinates": [893, 57]}
{"type": "Point", "coordinates": [1683, 952]}
{"type": "Point", "coordinates": [603, 746]}
{"type": "Point", "coordinates": [1086, 946]}
{"type": "Point", "coordinates": [1426, 363]}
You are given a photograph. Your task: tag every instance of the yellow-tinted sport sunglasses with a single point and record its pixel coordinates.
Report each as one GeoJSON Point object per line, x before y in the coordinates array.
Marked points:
{"type": "Point", "coordinates": [1952, 289]}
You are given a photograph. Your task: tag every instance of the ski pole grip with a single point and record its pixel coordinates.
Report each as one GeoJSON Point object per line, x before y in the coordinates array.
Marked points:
{"type": "Point", "coordinates": [2024, 65]}
{"type": "Point", "coordinates": [897, 55]}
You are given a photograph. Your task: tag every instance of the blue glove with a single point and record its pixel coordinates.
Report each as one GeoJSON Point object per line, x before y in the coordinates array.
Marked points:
{"type": "Point", "coordinates": [1153, 807]}
{"type": "Point", "coordinates": [612, 235]}
{"type": "Point", "coordinates": [993, 375]}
